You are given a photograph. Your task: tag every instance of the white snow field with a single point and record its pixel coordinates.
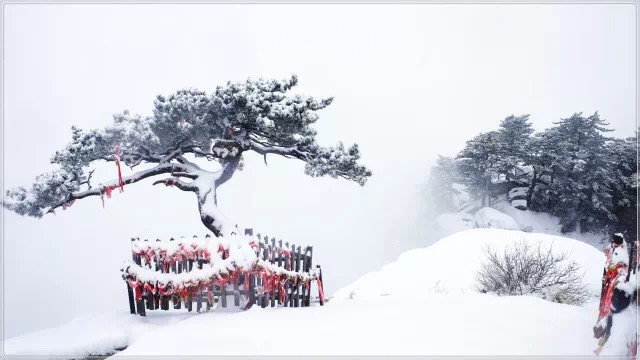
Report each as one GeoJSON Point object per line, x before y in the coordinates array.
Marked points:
{"type": "Point", "coordinates": [421, 304]}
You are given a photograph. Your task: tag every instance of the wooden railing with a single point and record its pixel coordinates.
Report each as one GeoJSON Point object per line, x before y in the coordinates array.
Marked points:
{"type": "Point", "coordinates": [281, 274]}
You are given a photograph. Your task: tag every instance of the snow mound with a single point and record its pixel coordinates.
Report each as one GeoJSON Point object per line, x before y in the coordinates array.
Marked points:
{"type": "Point", "coordinates": [421, 304]}
{"type": "Point", "coordinates": [450, 265]}
{"type": "Point", "coordinates": [88, 335]}
{"type": "Point", "coordinates": [491, 218]}
{"type": "Point", "coordinates": [453, 222]}
{"type": "Point", "coordinates": [540, 222]}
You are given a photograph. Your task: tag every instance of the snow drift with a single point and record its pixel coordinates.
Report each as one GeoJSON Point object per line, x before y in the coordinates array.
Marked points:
{"type": "Point", "coordinates": [452, 263]}
{"type": "Point", "coordinates": [493, 219]}
{"type": "Point", "coordinates": [421, 304]}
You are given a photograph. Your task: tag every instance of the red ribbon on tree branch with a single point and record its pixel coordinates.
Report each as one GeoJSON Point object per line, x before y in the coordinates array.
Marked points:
{"type": "Point", "coordinates": [116, 156]}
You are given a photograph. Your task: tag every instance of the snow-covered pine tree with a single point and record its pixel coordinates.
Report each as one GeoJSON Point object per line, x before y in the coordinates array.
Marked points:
{"type": "Point", "coordinates": [257, 116]}
{"type": "Point", "coordinates": [581, 190]}
{"type": "Point", "coordinates": [623, 160]}
{"type": "Point", "coordinates": [514, 136]}
{"type": "Point", "coordinates": [545, 158]}
{"type": "Point", "coordinates": [439, 185]}
{"type": "Point", "coordinates": [478, 164]}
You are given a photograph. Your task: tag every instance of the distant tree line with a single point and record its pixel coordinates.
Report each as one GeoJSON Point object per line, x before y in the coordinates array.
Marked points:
{"type": "Point", "coordinates": [571, 170]}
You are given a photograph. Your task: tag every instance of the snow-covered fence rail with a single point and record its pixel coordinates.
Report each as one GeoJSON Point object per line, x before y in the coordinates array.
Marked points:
{"type": "Point", "coordinates": [205, 272]}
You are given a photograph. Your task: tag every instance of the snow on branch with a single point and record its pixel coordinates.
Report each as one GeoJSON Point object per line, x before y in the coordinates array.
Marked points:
{"type": "Point", "coordinates": [255, 115]}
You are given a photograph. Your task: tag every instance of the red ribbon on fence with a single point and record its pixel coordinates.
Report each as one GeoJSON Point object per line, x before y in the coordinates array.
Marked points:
{"type": "Point", "coordinates": [136, 289]}
{"type": "Point", "coordinates": [246, 281]}
{"type": "Point", "coordinates": [164, 291]}
{"type": "Point", "coordinates": [222, 281]}
{"type": "Point", "coordinates": [320, 291]}
{"type": "Point", "coordinates": [183, 293]}
{"type": "Point", "coordinates": [149, 287]}
{"type": "Point", "coordinates": [282, 291]}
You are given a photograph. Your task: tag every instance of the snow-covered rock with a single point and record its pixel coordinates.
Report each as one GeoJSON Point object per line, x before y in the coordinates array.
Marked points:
{"type": "Point", "coordinates": [518, 197]}
{"type": "Point", "coordinates": [540, 222]}
{"type": "Point", "coordinates": [491, 218]}
{"type": "Point", "coordinates": [519, 204]}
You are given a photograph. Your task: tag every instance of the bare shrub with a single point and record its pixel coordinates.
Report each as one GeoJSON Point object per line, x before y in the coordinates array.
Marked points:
{"type": "Point", "coordinates": [524, 269]}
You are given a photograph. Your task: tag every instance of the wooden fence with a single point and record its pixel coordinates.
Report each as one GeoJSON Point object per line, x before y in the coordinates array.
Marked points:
{"type": "Point", "coordinates": [246, 289]}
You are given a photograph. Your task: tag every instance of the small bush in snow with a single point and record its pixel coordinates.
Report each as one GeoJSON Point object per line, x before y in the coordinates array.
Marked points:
{"type": "Point", "coordinates": [525, 269]}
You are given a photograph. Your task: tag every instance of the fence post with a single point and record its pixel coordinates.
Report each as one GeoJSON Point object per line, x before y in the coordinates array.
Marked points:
{"type": "Point", "coordinates": [156, 300]}
{"type": "Point", "coordinates": [297, 295]}
{"type": "Point", "coordinates": [307, 300]}
{"type": "Point", "coordinates": [248, 232]}
{"type": "Point", "coordinates": [236, 291]}
{"type": "Point", "coordinates": [177, 302]}
{"type": "Point", "coordinates": [132, 304]}
{"type": "Point", "coordinates": [223, 294]}
{"type": "Point", "coordinates": [321, 283]}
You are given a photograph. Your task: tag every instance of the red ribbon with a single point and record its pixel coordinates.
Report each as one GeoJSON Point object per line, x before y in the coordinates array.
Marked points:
{"type": "Point", "coordinates": [107, 191]}
{"type": "Point", "coordinates": [609, 283]}
{"type": "Point", "coordinates": [246, 280]}
{"type": "Point", "coordinates": [320, 291]}
{"type": "Point", "coordinates": [167, 290]}
{"type": "Point", "coordinates": [183, 293]}
{"type": "Point", "coordinates": [117, 158]}
{"type": "Point", "coordinates": [150, 288]}
{"type": "Point", "coordinates": [282, 292]}
{"type": "Point", "coordinates": [136, 288]}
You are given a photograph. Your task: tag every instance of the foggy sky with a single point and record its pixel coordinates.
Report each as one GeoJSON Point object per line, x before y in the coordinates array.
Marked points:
{"type": "Point", "coordinates": [409, 81]}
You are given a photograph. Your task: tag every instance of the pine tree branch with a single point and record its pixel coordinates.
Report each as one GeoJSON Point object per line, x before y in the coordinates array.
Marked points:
{"type": "Point", "coordinates": [286, 152]}
{"type": "Point", "coordinates": [177, 183]}
{"type": "Point", "coordinates": [98, 191]}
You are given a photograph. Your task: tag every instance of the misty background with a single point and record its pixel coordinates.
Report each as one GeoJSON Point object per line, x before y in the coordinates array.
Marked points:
{"type": "Point", "coordinates": [409, 81]}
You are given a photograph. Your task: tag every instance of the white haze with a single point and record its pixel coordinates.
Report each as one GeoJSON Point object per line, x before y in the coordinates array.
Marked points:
{"type": "Point", "coordinates": [409, 81]}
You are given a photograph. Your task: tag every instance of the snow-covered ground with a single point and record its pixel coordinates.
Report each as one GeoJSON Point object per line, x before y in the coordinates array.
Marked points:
{"type": "Point", "coordinates": [421, 304]}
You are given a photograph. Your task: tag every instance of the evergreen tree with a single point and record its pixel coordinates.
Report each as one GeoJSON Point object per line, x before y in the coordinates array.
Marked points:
{"type": "Point", "coordinates": [623, 162]}
{"type": "Point", "coordinates": [515, 135]}
{"type": "Point", "coordinates": [478, 164]}
{"type": "Point", "coordinates": [544, 158]}
{"type": "Point", "coordinates": [439, 185]}
{"type": "Point", "coordinates": [580, 191]}
{"type": "Point", "coordinates": [257, 116]}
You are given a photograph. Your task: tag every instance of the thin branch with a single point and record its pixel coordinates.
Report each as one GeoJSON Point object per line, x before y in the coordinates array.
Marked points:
{"type": "Point", "coordinates": [184, 174]}
{"type": "Point", "coordinates": [88, 181]}
{"type": "Point", "coordinates": [286, 152]}
{"type": "Point", "coordinates": [177, 183]}
{"type": "Point", "coordinates": [97, 191]}
{"type": "Point", "coordinates": [181, 159]}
